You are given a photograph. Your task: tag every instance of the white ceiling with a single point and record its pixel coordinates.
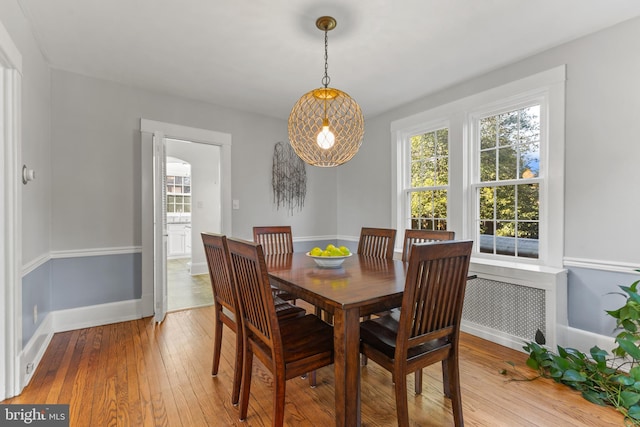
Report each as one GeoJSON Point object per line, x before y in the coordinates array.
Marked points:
{"type": "Point", "coordinates": [263, 55]}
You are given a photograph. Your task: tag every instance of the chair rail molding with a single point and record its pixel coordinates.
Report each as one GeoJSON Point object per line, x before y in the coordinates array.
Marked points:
{"type": "Point", "coordinates": [604, 265]}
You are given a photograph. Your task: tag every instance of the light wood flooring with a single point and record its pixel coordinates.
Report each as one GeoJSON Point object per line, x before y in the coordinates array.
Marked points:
{"type": "Point", "coordinates": [184, 290]}
{"type": "Point", "coordinates": [140, 374]}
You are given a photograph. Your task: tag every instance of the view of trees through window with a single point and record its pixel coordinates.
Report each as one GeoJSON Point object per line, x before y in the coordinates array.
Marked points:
{"type": "Point", "coordinates": [508, 188]}
{"type": "Point", "coordinates": [429, 180]}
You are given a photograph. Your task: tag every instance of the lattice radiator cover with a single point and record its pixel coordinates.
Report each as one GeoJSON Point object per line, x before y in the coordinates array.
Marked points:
{"type": "Point", "coordinates": [513, 309]}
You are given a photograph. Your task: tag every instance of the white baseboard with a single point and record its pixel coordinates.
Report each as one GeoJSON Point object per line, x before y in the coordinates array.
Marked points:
{"type": "Point", "coordinates": [32, 353]}
{"type": "Point", "coordinates": [199, 268]}
{"type": "Point", "coordinates": [583, 340]}
{"type": "Point", "coordinates": [572, 338]}
{"type": "Point", "coordinates": [493, 335]}
{"type": "Point", "coordinates": [95, 315]}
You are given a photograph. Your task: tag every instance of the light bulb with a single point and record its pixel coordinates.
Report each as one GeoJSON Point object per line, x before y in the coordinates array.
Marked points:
{"type": "Point", "coordinates": [325, 138]}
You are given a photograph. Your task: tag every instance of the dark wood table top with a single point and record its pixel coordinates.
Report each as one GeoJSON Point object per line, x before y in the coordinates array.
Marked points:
{"type": "Point", "coordinates": [370, 284]}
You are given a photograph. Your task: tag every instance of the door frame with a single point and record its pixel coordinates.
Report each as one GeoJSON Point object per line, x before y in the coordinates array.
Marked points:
{"type": "Point", "coordinates": [10, 216]}
{"type": "Point", "coordinates": [160, 226]}
{"type": "Point", "coordinates": [174, 131]}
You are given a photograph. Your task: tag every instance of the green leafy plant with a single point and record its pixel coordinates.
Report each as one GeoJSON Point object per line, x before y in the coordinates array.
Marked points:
{"type": "Point", "coordinates": [602, 378]}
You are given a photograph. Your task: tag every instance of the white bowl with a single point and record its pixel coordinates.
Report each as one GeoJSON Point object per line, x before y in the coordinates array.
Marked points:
{"type": "Point", "coordinates": [329, 261]}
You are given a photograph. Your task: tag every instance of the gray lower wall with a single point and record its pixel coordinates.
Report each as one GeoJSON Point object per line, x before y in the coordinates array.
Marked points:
{"type": "Point", "coordinates": [92, 280]}
{"type": "Point", "coordinates": [74, 282]}
{"type": "Point", "coordinates": [590, 293]}
{"type": "Point", "coordinates": [36, 290]}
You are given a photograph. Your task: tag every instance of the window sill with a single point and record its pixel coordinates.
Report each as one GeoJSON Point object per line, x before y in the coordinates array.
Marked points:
{"type": "Point", "coordinates": [532, 275]}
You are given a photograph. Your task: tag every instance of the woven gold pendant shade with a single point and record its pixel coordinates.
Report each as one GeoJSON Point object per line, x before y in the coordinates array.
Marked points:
{"type": "Point", "coordinates": [326, 126]}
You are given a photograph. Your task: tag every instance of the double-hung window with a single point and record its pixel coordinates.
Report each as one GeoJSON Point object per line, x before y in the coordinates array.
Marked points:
{"type": "Point", "coordinates": [489, 167]}
{"type": "Point", "coordinates": [427, 181]}
{"type": "Point", "coordinates": [506, 185]}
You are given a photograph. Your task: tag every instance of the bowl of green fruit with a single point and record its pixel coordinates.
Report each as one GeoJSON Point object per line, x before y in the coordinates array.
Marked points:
{"type": "Point", "coordinates": [329, 257]}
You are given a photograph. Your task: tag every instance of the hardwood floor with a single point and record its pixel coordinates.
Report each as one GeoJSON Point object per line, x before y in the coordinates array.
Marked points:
{"type": "Point", "coordinates": [137, 373]}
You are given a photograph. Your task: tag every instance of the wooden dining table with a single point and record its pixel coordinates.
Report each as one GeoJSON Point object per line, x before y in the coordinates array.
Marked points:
{"type": "Point", "coordinates": [361, 286]}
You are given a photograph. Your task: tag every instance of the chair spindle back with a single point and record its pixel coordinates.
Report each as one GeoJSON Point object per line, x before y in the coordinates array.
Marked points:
{"type": "Point", "coordinates": [274, 239]}
{"type": "Point", "coordinates": [411, 237]}
{"type": "Point", "coordinates": [377, 242]}
{"type": "Point", "coordinates": [433, 294]}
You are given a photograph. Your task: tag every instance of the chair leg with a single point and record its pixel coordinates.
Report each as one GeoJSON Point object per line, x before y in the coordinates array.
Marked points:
{"type": "Point", "coordinates": [453, 380]}
{"type": "Point", "coordinates": [446, 380]}
{"type": "Point", "coordinates": [237, 369]}
{"type": "Point", "coordinates": [418, 381]}
{"type": "Point", "coordinates": [324, 315]}
{"type": "Point", "coordinates": [402, 407]}
{"type": "Point", "coordinates": [279, 390]}
{"type": "Point", "coordinates": [217, 345]}
{"type": "Point", "coordinates": [328, 317]}
{"type": "Point", "coordinates": [247, 366]}
{"type": "Point", "coordinates": [312, 379]}
{"type": "Point", "coordinates": [363, 358]}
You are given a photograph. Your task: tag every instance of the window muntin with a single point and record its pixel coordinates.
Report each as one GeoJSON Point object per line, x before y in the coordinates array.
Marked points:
{"type": "Point", "coordinates": [428, 180]}
{"type": "Point", "coordinates": [178, 194]}
{"type": "Point", "coordinates": [507, 189]}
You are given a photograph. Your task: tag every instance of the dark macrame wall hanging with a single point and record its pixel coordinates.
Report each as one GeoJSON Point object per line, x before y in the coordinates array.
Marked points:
{"type": "Point", "coordinates": [288, 178]}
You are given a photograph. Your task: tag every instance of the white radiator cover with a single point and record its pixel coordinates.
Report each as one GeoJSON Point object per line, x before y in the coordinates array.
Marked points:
{"type": "Point", "coordinates": [508, 303]}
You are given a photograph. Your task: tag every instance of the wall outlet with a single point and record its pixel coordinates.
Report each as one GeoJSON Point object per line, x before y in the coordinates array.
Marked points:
{"type": "Point", "coordinates": [35, 314]}
{"type": "Point", "coordinates": [29, 368]}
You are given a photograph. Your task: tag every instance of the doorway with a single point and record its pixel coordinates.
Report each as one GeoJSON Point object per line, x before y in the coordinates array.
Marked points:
{"type": "Point", "coordinates": [205, 216]}
{"type": "Point", "coordinates": [192, 199]}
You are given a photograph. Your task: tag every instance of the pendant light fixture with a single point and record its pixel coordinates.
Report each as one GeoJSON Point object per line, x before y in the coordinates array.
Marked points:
{"type": "Point", "coordinates": [326, 125]}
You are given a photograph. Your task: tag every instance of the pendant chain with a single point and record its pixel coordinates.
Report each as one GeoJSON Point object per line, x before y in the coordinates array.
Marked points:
{"type": "Point", "coordinates": [326, 79]}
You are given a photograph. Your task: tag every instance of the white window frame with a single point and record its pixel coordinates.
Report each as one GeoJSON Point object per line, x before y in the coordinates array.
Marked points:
{"type": "Point", "coordinates": [547, 86]}
{"type": "Point", "coordinates": [474, 138]}
{"type": "Point", "coordinates": [404, 174]}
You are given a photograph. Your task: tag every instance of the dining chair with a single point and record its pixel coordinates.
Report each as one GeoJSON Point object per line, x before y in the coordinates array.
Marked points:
{"type": "Point", "coordinates": [411, 237]}
{"type": "Point", "coordinates": [275, 240]}
{"type": "Point", "coordinates": [427, 329]}
{"type": "Point", "coordinates": [377, 242]}
{"type": "Point", "coordinates": [286, 347]}
{"type": "Point", "coordinates": [226, 307]}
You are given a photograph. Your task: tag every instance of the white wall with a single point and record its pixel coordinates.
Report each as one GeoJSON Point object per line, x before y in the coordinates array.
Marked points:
{"type": "Point", "coordinates": [34, 134]}
{"type": "Point", "coordinates": [36, 139]}
{"type": "Point", "coordinates": [601, 154]}
{"type": "Point", "coordinates": [96, 158]}
{"type": "Point", "coordinates": [602, 149]}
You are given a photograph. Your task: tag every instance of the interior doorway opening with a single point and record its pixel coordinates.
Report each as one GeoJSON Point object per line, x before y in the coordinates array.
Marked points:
{"type": "Point", "coordinates": [193, 205]}
{"type": "Point", "coordinates": [153, 139]}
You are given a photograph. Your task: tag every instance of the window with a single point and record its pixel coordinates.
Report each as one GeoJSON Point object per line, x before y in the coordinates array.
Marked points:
{"type": "Point", "coordinates": [178, 194]}
{"type": "Point", "coordinates": [489, 167]}
{"type": "Point", "coordinates": [507, 186]}
{"type": "Point", "coordinates": [428, 180]}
